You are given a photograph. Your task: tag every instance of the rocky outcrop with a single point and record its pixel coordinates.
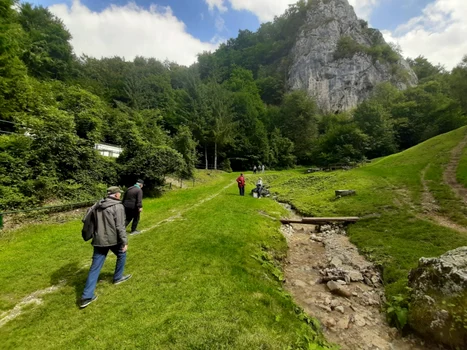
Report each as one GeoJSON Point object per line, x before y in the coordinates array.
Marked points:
{"type": "Point", "coordinates": [340, 83]}
{"type": "Point", "coordinates": [438, 306]}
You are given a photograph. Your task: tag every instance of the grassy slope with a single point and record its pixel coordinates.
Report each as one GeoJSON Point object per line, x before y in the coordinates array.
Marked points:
{"type": "Point", "coordinates": [195, 283]}
{"type": "Point", "coordinates": [389, 196]}
{"type": "Point", "coordinates": [462, 169]}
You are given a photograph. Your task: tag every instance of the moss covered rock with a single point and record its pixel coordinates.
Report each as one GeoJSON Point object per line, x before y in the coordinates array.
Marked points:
{"type": "Point", "coordinates": [438, 308]}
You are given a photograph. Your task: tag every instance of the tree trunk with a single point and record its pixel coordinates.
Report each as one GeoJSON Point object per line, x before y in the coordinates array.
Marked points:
{"type": "Point", "coordinates": [206, 156]}
{"type": "Point", "coordinates": [215, 155]}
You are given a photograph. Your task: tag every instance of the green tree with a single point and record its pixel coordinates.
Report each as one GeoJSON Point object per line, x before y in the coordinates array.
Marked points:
{"type": "Point", "coordinates": [49, 53]}
{"type": "Point", "coordinates": [299, 123]}
{"type": "Point", "coordinates": [342, 143]}
{"type": "Point", "coordinates": [458, 84]}
{"type": "Point", "coordinates": [282, 151]}
{"type": "Point", "coordinates": [425, 70]}
{"type": "Point", "coordinates": [150, 163]}
{"type": "Point", "coordinates": [184, 143]}
{"type": "Point", "coordinates": [375, 121]}
{"type": "Point", "coordinates": [217, 110]}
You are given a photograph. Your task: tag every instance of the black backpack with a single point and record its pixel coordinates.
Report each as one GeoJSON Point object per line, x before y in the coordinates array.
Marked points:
{"type": "Point", "coordinates": [89, 223]}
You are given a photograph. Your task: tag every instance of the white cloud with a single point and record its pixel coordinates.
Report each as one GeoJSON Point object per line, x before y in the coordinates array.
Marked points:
{"type": "Point", "coordinates": [438, 34]}
{"type": "Point", "coordinates": [265, 10]}
{"type": "Point", "coordinates": [129, 31]}
{"type": "Point", "coordinates": [363, 8]}
{"type": "Point", "coordinates": [216, 4]}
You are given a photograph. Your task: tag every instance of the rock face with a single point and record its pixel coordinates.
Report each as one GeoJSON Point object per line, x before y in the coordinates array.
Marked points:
{"type": "Point", "coordinates": [340, 84]}
{"type": "Point", "coordinates": [438, 306]}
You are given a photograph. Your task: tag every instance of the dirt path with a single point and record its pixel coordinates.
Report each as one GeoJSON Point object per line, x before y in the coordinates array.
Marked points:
{"type": "Point", "coordinates": [178, 216]}
{"type": "Point", "coordinates": [32, 299]}
{"type": "Point", "coordinates": [431, 208]}
{"type": "Point", "coordinates": [354, 321]}
{"type": "Point", "coordinates": [450, 177]}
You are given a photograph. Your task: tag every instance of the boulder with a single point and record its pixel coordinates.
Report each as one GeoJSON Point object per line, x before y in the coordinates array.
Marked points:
{"type": "Point", "coordinates": [438, 308]}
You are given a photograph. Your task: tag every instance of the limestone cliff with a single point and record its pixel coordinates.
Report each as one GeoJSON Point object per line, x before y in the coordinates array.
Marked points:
{"type": "Point", "coordinates": [339, 60]}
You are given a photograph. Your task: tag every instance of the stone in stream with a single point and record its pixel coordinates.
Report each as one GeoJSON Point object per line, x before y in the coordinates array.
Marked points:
{"type": "Point", "coordinates": [299, 283]}
{"type": "Point", "coordinates": [343, 322]}
{"type": "Point", "coordinates": [337, 289]}
{"type": "Point", "coordinates": [355, 276]}
{"type": "Point", "coordinates": [335, 262]}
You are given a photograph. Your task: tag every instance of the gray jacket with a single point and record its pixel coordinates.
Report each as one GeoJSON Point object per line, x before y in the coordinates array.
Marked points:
{"type": "Point", "coordinates": [110, 217]}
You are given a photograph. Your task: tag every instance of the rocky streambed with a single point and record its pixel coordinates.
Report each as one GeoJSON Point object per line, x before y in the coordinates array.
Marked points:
{"type": "Point", "coordinates": [332, 282]}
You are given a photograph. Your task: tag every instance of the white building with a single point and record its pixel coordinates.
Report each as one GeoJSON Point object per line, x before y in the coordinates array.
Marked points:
{"type": "Point", "coordinates": [108, 150]}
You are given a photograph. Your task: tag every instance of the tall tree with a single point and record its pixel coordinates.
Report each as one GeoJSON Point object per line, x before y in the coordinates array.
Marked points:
{"type": "Point", "coordinates": [299, 123]}
{"type": "Point", "coordinates": [49, 53]}
{"type": "Point", "coordinates": [425, 70]}
{"type": "Point", "coordinates": [374, 120]}
{"type": "Point", "coordinates": [458, 83]}
{"type": "Point", "coordinates": [219, 109]}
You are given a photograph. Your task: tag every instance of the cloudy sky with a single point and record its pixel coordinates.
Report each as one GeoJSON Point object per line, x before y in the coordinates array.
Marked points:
{"type": "Point", "coordinates": [178, 30]}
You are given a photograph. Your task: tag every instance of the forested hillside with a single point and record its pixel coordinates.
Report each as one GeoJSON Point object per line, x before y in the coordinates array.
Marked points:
{"type": "Point", "coordinates": [232, 109]}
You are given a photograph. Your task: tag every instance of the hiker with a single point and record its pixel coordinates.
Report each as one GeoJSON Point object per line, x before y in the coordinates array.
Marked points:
{"type": "Point", "coordinates": [241, 184]}
{"type": "Point", "coordinates": [109, 235]}
{"type": "Point", "coordinates": [254, 169]}
{"type": "Point", "coordinates": [262, 169]}
{"type": "Point", "coordinates": [259, 186]}
{"type": "Point", "coordinates": [133, 203]}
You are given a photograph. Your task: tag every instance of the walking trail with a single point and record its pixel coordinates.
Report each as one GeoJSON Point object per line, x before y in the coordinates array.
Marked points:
{"type": "Point", "coordinates": [451, 170]}
{"type": "Point", "coordinates": [430, 207]}
{"type": "Point", "coordinates": [35, 297]}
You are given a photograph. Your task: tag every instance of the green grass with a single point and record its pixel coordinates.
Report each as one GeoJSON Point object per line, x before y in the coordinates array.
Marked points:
{"type": "Point", "coordinates": [462, 169]}
{"type": "Point", "coordinates": [196, 282]}
{"type": "Point", "coordinates": [212, 278]}
{"type": "Point", "coordinates": [389, 193]}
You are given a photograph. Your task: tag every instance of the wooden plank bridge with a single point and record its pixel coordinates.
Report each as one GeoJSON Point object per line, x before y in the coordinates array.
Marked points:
{"type": "Point", "coordinates": [321, 221]}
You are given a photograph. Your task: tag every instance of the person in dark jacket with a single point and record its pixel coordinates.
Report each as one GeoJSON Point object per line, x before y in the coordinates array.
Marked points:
{"type": "Point", "coordinates": [133, 203]}
{"type": "Point", "coordinates": [241, 184]}
{"type": "Point", "coordinates": [110, 234]}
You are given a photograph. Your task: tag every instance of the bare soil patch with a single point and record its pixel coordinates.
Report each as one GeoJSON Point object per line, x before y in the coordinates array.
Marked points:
{"type": "Point", "coordinates": [451, 170]}
{"type": "Point", "coordinates": [355, 321]}
{"type": "Point", "coordinates": [431, 208]}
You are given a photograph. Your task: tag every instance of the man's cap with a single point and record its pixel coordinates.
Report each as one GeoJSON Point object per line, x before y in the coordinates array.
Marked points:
{"type": "Point", "coordinates": [113, 190]}
{"type": "Point", "coordinates": [140, 181]}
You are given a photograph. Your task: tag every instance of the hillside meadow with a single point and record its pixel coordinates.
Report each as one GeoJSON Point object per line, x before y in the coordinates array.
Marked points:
{"type": "Point", "coordinates": [207, 269]}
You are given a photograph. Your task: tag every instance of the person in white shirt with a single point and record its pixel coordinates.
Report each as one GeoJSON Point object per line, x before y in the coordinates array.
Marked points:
{"type": "Point", "coordinates": [259, 185]}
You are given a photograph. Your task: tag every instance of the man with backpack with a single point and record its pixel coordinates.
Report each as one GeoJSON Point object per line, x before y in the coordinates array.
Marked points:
{"type": "Point", "coordinates": [105, 224]}
{"type": "Point", "coordinates": [133, 203]}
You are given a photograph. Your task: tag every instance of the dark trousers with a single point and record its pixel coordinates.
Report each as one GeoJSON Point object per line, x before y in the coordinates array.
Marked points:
{"type": "Point", "coordinates": [98, 259]}
{"type": "Point", "coordinates": [258, 189]}
{"type": "Point", "coordinates": [242, 190]}
{"type": "Point", "coordinates": [132, 214]}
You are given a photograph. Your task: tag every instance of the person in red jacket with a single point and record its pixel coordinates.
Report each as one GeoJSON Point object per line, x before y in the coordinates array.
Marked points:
{"type": "Point", "coordinates": [241, 184]}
